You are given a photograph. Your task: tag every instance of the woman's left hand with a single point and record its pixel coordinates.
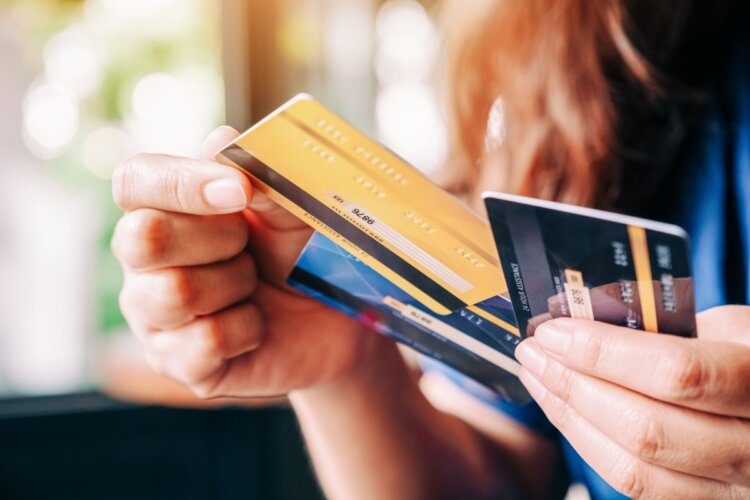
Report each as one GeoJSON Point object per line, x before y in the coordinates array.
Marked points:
{"type": "Point", "coordinates": [657, 416]}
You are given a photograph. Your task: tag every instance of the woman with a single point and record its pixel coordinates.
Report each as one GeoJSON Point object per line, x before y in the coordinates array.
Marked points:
{"type": "Point", "coordinates": [618, 104]}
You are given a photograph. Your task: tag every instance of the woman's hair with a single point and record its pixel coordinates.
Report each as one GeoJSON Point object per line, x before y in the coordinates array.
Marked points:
{"type": "Point", "coordinates": [590, 92]}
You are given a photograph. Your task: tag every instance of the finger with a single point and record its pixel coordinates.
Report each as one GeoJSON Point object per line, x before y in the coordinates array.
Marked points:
{"type": "Point", "coordinates": [278, 236]}
{"type": "Point", "coordinates": [631, 476]}
{"type": "Point", "coordinates": [605, 300]}
{"type": "Point", "coordinates": [537, 320]}
{"type": "Point", "coordinates": [193, 353]}
{"type": "Point", "coordinates": [727, 323]}
{"type": "Point", "coordinates": [179, 185]}
{"type": "Point", "coordinates": [148, 239]}
{"type": "Point", "coordinates": [700, 374]}
{"type": "Point", "coordinates": [217, 140]}
{"type": "Point", "coordinates": [169, 298]}
{"type": "Point", "coordinates": [272, 214]}
{"type": "Point", "coordinates": [675, 438]}
{"type": "Point", "coordinates": [283, 361]}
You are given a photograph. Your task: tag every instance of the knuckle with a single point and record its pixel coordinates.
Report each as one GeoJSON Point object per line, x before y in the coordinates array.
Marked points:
{"type": "Point", "coordinates": [178, 185]}
{"type": "Point", "coordinates": [563, 381]}
{"type": "Point", "coordinates": [559, 413]}
{"type": "Point", "coordinates": [564, 416]}
{"type": "Point", "coordinates": [591, 352]}
{"type": "Point", "coordinates": [686, 376]}
{"type": "Point", "coordinates": [142, 238]}
{"type": "Point", "coordinates": [211, 340]}
{"type": "Point", "coordinates": [645, 438]}
{"type": "Point", "coordinates": [122, 183]}
{"type": "Point", "coordinates": [627, 478]}
{"type": "Point", "coordinates": [739, 467]}
{"type": "Point", "coordinates": [175, 289]}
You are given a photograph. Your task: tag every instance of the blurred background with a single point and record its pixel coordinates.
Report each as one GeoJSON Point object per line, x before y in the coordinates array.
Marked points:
{"type": "Point", "coordinates": [85, 83]}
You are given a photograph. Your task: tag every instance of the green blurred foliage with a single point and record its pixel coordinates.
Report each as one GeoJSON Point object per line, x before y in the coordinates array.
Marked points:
{"type": "Point", "coordinates": [127, 60]}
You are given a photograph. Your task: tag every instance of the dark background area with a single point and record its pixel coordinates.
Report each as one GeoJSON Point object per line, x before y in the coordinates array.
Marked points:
{"type": "Point", "coordinates": [91, 447]}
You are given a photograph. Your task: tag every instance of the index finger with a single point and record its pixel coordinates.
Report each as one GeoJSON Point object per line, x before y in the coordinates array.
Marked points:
{"type": "Point", "coordinates": [701, 374]}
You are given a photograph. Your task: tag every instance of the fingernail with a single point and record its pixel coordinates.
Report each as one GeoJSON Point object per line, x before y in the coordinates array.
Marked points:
{"type": "Point", "coordinates": [225, 194]}
{"type": "Point", "coordinates": [531, 357]}
{"type": "Point", "coordinates": [554, 337]}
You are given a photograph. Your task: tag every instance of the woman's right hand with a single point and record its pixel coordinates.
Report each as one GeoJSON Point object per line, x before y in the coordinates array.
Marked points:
{"type": "Point", "coordinates": [205, 261]}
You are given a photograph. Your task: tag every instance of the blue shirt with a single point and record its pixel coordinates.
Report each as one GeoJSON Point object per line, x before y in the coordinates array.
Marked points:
{"type": "Point", "coordinates": [710, 198]}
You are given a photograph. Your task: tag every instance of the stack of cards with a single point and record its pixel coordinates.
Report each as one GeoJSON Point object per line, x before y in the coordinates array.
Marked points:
{"type": "Point", "coordinates": [412, 262]}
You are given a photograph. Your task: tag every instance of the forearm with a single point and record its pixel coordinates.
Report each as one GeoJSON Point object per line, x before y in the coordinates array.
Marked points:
{"type": "Point", "coordinates": [374, 435]}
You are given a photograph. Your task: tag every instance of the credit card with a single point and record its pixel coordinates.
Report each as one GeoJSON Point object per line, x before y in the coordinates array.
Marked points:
{"type": "Point", "coordinates": [371, 203]}
{"type": "Point", "coordinates": [561, 260]}
{"type": "Point", "coordinates": [480, 348]}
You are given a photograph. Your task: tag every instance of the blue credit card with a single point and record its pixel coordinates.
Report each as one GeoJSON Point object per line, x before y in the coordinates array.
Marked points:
{"type": "Point", "coordinates": [468, 340]}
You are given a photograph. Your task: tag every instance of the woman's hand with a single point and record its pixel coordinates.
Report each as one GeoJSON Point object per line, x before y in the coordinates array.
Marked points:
{"type": "Point", "coordinates": [656, 416]}
{"type": "Point", "coordinates": [205, 262]}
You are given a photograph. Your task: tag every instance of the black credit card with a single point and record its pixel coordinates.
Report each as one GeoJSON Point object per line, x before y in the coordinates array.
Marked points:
{"type": "Point", "coordinates": [565, 261]}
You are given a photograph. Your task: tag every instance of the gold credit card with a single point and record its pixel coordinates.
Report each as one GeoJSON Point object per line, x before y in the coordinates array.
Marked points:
{"type": "Point", "coordinates": [371, 203]}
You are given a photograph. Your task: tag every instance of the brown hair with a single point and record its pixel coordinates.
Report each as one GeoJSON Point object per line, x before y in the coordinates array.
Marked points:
{"type": "Point", "coordinates": [569, 73]}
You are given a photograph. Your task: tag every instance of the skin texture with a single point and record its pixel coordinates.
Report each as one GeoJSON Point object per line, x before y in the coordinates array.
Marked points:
{"type": "Point", "coordinates": [205, 259]}
{"type": "Point", "coordinates": [655, 415]}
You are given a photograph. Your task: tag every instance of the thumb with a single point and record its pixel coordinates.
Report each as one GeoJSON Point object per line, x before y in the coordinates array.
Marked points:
{"type": "Point", "coordinates": [271, 213]}
{"type": "Point", "coordinates": [725, 323]}
{"type": "Point", "coordinates": [277, 236]}
{"type": "Point", "coordinates": [182, 185]}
